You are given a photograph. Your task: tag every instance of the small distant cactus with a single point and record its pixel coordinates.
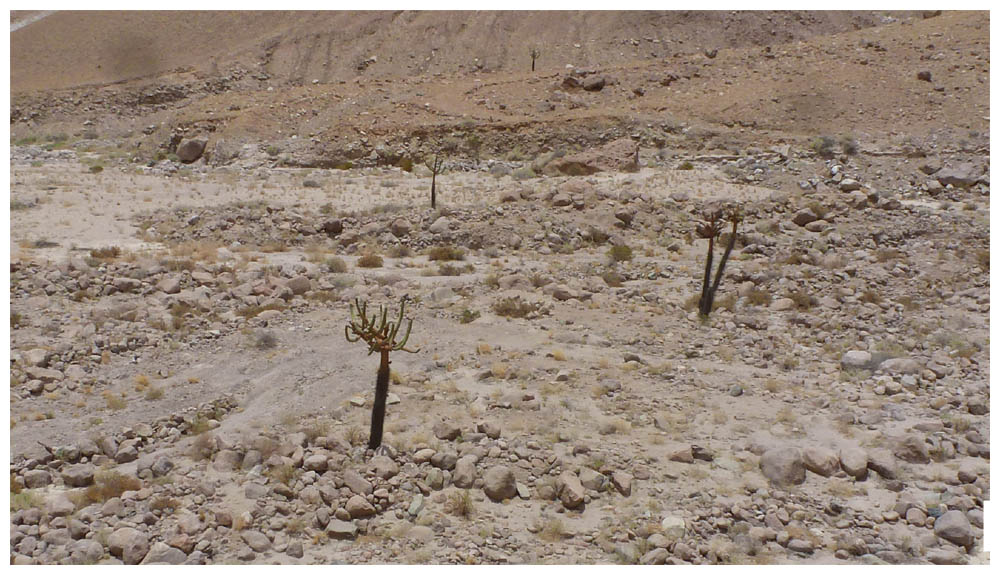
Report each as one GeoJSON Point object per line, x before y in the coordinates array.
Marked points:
{"type": "Point", "coordinates": [435, 168]}
{"type": "Point", "coordinates": [535, 53]}
{"type": "Point", "coordinates": [710, 229]}
{"type": "Point", "coordinates": [380, 335]}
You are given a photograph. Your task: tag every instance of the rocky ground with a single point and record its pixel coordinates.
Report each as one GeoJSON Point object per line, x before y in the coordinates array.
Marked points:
{"type": "Point", "coordinates": [185, 248]}
{"type": "Point", "coordinates": [184, 393]}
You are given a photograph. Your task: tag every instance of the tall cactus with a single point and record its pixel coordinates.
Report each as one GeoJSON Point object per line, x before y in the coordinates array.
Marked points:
{"type": "Point", "coordinates": [380, 335]}
{"type": "Point", "coordinates": [710, 229]}
{"type": "Point", "coordinates": [534, 53]}
{"type": "Point", "coordinates": [435, 168]}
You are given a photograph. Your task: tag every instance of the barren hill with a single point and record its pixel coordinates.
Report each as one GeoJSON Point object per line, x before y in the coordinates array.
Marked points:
{"type": "Point", "coordinates": [71, 49]}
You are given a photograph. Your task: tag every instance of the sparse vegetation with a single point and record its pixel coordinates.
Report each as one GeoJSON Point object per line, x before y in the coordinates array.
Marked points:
{"type": "Point", "coordinates": [711, 229]}
{"type": "Point", "coordinates": [370, 260]}
{"type": "Point", "coordinates": [620, 253]}
{"type": "Point", "coordinates": [445, 253]}
{"type": "Point", "coordinates": [381, 336]}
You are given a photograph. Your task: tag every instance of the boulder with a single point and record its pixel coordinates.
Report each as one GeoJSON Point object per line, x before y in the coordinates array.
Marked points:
{"type": "Point", "coordinates": [618, 156]}
{"type": "Point", "coordinates": [854, 461]}
{"type": "Point", "coordinates": [961, 176]}
{"type": "Point", "coordinates": [128, 544]}
{"type": "Point", "coordinates": [358, 506]}
{"type": "Point", "coordinates": [783, 466]}
{"type": "Point", "coordinates": [594, 83]}
{"type": "Point", "coordinates": [954, 526]}
{"type": "Point", "coordinates": [820, 461]}
{"type": "Point", "coordinates": [162, 554]}
{"type": "Point", "coordinates": [190, 150]}
{"type": "Point", "coordinates": [499, 483]}
{"type": "Point", "coordinates": [465, 471]}
{"type": "Point", "coordinates": [856, 359]}
{"type": "Point", "coordinates": [337, 529]}
{"type": "Point", "coordinates": [80, 475]}
{"type": "Point", "coordinates": [571, 491]}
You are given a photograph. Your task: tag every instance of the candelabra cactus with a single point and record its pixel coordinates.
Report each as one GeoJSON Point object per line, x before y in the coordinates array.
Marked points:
{"type": "Point", "coordinates": [710, 229]}
{"type": "Point", "coordinates": [534, 53]}
{"type": "Point", "coordinates": [380, 335]}
{"type": "Point", "coordinates": [435, 168]}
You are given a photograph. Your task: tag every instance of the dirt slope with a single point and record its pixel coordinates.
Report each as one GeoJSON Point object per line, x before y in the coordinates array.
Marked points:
{"type": "Point", "coordinates": [79, 48]}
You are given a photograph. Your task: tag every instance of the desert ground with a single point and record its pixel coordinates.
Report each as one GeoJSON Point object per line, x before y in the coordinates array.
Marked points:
{"type": "Point", "coordinates": [194, 210]}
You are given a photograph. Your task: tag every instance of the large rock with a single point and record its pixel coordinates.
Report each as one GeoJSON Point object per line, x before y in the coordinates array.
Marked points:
{"type": "Point", "coordinates": [80, 475]}
{"type": "Point", "coordinates": [856, 359]}
{"type": "Point", "coordinates": [299, 285]}
{"type": "Point", "coordinates": [594, 83]}
{"type": "Point", "coordinates": [128, 544]}
{"type": "Point", "coordinates": [465, 471]}
{"type": "Point", "coordinates": [36, 478]}
{"type": "Point", "coordinates": [618, 156]}
{"type": "Point", "coordinates": [820, 461]}
{"type": "Point", "coordinates": [384, 467]}
{"type": "Point", "coordinates": [337, 529]}
{"type": "Point", "coordinates": [162, 554]}
{"type": "Point", "coordinates": [961, 176]}
{"type": "Point", "coordinates": [499, 483]}
{"type": "Point", "coordinates": [399, 227]}
{"type": "Point", "coordinates": [440, 225]}
{"type": "Point", "coordinates": [901, 366]}
{"type": "Point", "coordinates": [954, 526]}
{"type": "Point", "coordinates": [854, 461]}
{"type": "Point", "coordinates": [592, 479]}
{"type": "Point", "coordinates": [358, 506]}
{"type": "Point", "coordinates": [783, 466]}
{"type": "Point", "coordinates": [356, 483]}
{"type": "Point", "coordinates": [622, 482]}
{"type": "Point", "coordinates": [571, 491]}
{"type": "Point", "coordinates": [883, 462]}
{"type": "Point", "coordinates": [190, 150]}
{"type": "Point", "coordinates": [913, 449]}
{"type": "Point", "coordinates": [446, 431]}
{"type": "Point", "coordinates": [804, 216]}
{"type": "Point", "coordinates": [36, 357]}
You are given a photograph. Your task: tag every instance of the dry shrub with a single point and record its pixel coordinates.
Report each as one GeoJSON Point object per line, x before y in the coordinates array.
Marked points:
{"type": "Point", "coordinates": [255, 310]}
{"type": "Point", "coordinates": [460, 504]}
{"type": "Point", "coordinates": [370, 260]}
{"type": "Point", "coordinates": [445, 253]}
{"type": "Point", "coordinates": [110, 484]}
{"type": "Point", "coordinates": [514, 307]}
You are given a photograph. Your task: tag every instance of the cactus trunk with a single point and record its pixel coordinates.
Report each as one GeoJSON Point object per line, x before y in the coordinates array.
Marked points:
{"type": "Point", "coordinates": [705, 304]}
{"type": "Point", "coordinates": [378, 409]}
{"type": "Point", "coordinates": [433, 189]}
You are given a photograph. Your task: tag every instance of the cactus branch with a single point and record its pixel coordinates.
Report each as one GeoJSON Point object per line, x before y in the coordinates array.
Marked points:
{"type": "Point", "coordinates": [380, 335]}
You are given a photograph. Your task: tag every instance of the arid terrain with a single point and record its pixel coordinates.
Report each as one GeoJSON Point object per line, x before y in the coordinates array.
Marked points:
{"type": "Point", "coordinates": [196, 203]}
